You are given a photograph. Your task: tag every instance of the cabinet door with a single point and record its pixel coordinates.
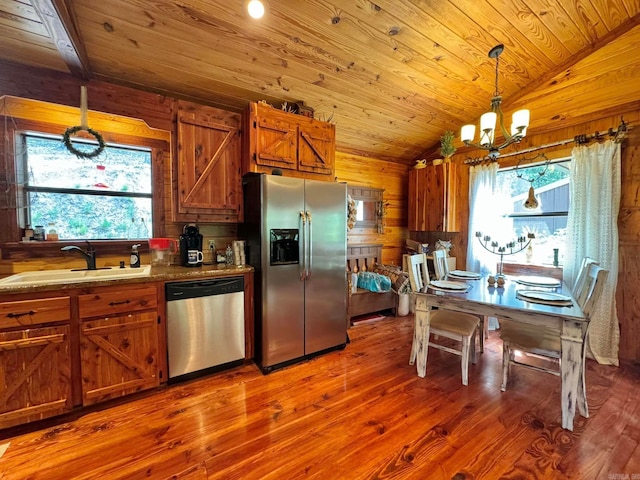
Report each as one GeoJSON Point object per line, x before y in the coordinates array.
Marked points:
{"type": "Point", "coordinates": [316, 147]}
{"type": "Point", "coordinates": [303, 146]}
{"type": "Point", "coordinates": [118, 356]}
{"type": "Point", "coordinates": [209, 184]}
{"type": "Point", "coordinates": [35, 374]}
{"type": "Point", "coordinates": [432, 198]}
{"type": "Point", "coordinates": [276, 138]}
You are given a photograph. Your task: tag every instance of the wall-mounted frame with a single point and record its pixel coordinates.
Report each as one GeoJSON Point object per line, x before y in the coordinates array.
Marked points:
{"type": "Point", "coordinates": [369, 205]}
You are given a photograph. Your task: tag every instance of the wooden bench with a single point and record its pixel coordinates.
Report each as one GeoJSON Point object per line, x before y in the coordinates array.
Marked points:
{"type": "Point", "coordinates": [363, 258]}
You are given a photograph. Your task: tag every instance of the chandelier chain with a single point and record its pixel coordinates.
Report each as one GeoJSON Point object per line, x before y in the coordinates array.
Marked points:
{"type": "Point", "coordinates": [497, 92]}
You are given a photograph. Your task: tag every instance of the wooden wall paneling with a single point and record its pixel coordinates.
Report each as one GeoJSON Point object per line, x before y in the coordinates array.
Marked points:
{"type": "Point", "coordinates": [627, 298]}
{"type": "Point", "coordinates": [393, 178]}
{"type": "Point", "coordinates": [64, 89]}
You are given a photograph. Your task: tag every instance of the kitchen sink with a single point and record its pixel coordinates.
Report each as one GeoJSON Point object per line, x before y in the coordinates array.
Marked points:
{"type": "Point", "coordinates": [56, 277]}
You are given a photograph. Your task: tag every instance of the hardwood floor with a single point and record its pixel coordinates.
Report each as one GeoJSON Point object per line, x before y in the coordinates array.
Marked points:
{"type": "Point", "coordinates": [353, 414]}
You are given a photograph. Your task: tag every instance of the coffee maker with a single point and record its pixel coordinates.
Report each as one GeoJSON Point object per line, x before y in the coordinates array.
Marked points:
{"type": "Point", "coordinates": [191, 246]}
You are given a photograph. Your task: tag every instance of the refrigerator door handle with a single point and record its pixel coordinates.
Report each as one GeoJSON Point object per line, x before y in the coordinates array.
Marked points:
{"type": "Point", "coordinates": [309, 250]}
{"type": "Point", "coordinates": [303, 246]}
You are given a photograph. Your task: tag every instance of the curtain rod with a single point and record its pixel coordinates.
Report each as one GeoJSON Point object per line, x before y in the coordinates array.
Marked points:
{"type": "Point", "coordinates": [619, 134]}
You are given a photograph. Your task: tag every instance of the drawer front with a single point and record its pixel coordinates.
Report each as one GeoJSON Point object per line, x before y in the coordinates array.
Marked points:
{"type": "Point", "coordinates": [113, 303]}
{"type": "Point", "coordinates": [34, 312]}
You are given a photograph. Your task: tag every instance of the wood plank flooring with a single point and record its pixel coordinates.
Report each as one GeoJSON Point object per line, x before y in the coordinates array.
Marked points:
{"type": "Point", "coordinates": [360, 413]}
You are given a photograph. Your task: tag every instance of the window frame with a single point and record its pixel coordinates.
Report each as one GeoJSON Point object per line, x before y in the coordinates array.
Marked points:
{"type": "Point", "coordinates": [15, 127]}
{"type": "Point", "coordinates": [25, 189]}
{"type": "Point", "coordinates": [559, 213]}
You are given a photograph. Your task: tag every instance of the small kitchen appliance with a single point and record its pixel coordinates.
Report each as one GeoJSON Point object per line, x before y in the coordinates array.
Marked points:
{"type": "Point", "coordinates": [191, 246]}
{"type": "Point", "coordinates": [161, 250]}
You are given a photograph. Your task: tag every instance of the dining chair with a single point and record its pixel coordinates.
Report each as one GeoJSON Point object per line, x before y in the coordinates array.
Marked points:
{"type": "Point", "coordinates": [441, 269]}
{"type": "Point", "coordinates": [544, 342]}
{"type": "Point", "coordinates": [582, 273]}
{"type": "Point", "coordinates": [457, 326]}
{"type": "Point", "coordinates": [416, 266]}
{"type": "Point", "coordinates": [440, 264]}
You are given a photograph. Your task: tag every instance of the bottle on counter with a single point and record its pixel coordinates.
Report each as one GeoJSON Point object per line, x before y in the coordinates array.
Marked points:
{"type": "Point", "coordinates": [143, 231]}
{"type": "Point", "coordinates": [52, 233]}
{"type": "Point", "coordinates": [229, 255]}
{"type": "Point", "coordinates": [28, 233]}
{"type": "Point", "coordinates": [38, 233]}
{"type": "Point", "coordinates": [134, 261]}
{"type": "Point", "coordinates": [131, 231]}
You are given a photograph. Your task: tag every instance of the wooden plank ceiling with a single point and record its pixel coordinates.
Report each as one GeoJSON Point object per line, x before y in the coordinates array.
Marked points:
{"type": "Point", "coordinates": [392, 74]}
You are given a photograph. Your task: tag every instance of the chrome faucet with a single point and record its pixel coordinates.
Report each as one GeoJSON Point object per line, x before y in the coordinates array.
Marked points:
{"type": "Point", "coordinates": [89, 254]}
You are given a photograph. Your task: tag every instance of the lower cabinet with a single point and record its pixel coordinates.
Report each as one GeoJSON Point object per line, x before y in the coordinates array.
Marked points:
{"type": "Point", "coordinates": [118, 356]}
{"type": "Point", "coordinates": [90, 345]}
{"type": "Point", "coordinates": [35, 374]}
{"type": "Point", "coordinates": [35, 359]}
{"type": "Point", "coordinates": [118, 343]}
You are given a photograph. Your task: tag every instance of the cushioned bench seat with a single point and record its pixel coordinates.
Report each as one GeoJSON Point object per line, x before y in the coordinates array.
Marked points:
{"type": "Point", "coordinates": [365, 257]}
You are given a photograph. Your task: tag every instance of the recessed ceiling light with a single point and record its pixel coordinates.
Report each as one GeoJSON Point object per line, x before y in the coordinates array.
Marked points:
{"type": "Point", "coordinates": [255, 9]}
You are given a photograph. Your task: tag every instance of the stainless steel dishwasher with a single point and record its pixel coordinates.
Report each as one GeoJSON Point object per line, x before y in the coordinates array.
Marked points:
{"type": "Point", "coordinates": [205, 326]}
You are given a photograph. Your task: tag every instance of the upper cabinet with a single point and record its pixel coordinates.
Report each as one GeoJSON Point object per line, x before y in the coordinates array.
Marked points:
{"type": "Point", "coordinates": [432, 198]}
{"type": "Point", "coordinates": [302, 146]}
{"type": "Point", "coordinates": [207, 182]}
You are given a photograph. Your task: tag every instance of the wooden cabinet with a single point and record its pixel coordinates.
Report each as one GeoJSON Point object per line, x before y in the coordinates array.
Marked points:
{"type": "Point", "coordinates": [302, 146]}
{"type": "Point", "coordinates": [35, 365]}
{"type": "Point", "coordinates": [118, 343]}
{"type": "Point", "coordinates": [432, 198]}
{"type": "Point", "coordinates": [207, 183]}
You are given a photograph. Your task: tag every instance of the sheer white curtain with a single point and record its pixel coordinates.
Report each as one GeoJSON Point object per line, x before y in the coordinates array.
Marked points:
{"type": "Point", "coordinates": [482, 213]}
{"type": "Point", "coordinates": [592, 230]}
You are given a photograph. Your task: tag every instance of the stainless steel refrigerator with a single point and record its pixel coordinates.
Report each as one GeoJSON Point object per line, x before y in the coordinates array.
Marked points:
{"type": "Point", "coordinates": [297, 242]}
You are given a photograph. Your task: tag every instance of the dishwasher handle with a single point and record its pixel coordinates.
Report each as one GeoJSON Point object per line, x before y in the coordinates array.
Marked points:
{"type": "Point", "coordinates": [203, 288]}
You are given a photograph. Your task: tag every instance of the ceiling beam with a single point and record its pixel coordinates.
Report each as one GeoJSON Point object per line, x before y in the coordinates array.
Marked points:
{"type": "Point", "coordinates": [57, 16]}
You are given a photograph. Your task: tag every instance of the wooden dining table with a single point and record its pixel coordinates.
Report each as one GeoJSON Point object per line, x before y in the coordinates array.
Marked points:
{"type": "Point", "coordinates": [502, 302]}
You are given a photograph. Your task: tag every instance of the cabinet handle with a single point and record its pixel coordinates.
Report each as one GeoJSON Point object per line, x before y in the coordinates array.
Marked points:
{"type": "Point", "coordinates": [113, 304]}
{"type": "Point", "coordinates": [18, 315]}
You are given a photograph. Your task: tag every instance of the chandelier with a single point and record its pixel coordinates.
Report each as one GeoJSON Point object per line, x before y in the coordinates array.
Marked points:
{"type": "Point", "coordinates": [520, 121]}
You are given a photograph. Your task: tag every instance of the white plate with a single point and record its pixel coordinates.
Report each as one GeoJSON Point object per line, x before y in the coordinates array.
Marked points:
{"type": "Point", "coordinates": [546, 296]}
{"type": "Point", "coordinates": [464, 274]}
{"type": "Point", "coordinates": [539, 281]}
{"type": "Point", "coordinates": [449, 285]}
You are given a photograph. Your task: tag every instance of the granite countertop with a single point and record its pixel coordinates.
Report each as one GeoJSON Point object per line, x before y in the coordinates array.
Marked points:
{"type": "Point", "coordinates": [157, 274]}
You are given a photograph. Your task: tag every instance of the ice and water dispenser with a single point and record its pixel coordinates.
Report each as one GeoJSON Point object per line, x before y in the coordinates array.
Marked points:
{"type": "Point", "coordinates": [284, 246]}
